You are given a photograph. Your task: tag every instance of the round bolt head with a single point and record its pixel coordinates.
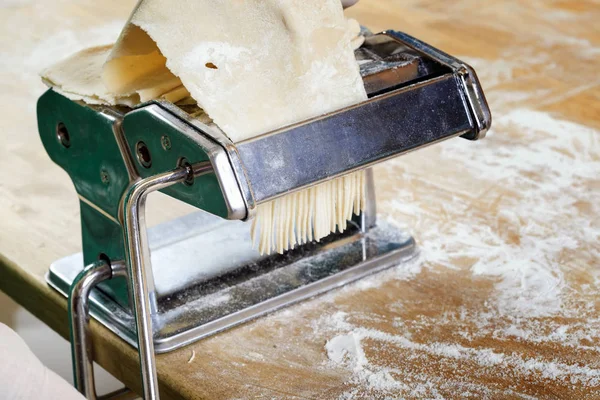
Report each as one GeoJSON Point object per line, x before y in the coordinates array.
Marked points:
{"type": "Point", "coordinates": [165, 141]}
{"type": "Point", "coordinates": [143, 154]}
{"type": "Point", "coordinates": [104, 176]}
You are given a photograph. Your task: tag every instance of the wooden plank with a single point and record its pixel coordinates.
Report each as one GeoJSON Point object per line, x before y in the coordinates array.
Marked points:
{"type": "Point", "coordinates": [502, 303]}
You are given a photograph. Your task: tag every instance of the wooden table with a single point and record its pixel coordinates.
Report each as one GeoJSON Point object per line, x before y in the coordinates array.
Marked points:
{"type": "Point", "coordinates": [503, 302]}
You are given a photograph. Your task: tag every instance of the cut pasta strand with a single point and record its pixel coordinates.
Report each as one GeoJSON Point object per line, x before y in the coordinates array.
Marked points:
{"type": "Point", "coordinates": [308, 215]}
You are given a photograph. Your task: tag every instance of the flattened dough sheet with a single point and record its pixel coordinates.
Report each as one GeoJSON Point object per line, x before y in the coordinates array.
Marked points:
{"type": "Point", "coordinates": [253, 66]}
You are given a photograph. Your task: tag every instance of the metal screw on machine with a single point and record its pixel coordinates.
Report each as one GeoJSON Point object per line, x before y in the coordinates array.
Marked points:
{"type": "Point", "coordinates": [143, 154]}
{"type": "Point", "coordinates": [418, 96]}
{"type": "Point", "coordinates": [165, 141]}
{"type": "Point", "coordinates": [104, 177]}
{"type": "Point", "coordinates": [62, 134]}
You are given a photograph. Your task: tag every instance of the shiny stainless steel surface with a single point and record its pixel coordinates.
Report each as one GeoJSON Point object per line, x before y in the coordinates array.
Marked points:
{"type": "Point", "coordinates": [369, 214]}
{"type": "Point", "coordinates": [120, 139]}
{"type": "Point", "coordinates": [83, 362]}
{"type": "Point", "coordinates": [384, 63]}
{"type": "Point", "coordinates": [385, 126]}
{"type": "Point", "coordinates": [219, 281]}
{"type": "Point", "coordinates": [418, 97]}
{"type": "Point", "coordinates": [79, 318]}
{"type": "Point", "coordinates": [472, 91]}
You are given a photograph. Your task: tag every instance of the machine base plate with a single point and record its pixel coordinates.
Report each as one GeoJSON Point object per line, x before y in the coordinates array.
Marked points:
{"type": "Point", "coordinates": [209, 278]}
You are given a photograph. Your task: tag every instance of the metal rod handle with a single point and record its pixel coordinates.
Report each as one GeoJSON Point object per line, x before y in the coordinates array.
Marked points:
{"type": "Point", "coordinates": [79, 319]}
{"type": "Point", "coordinates": [139, 265]}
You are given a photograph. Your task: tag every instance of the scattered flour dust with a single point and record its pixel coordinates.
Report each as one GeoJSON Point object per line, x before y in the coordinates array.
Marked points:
{"type": "Point", "coordinates": [346, 348]}
{"type": "Point", "coordinates": [526, 247]}
{"type": "Point", "coordinates": [531, 274]}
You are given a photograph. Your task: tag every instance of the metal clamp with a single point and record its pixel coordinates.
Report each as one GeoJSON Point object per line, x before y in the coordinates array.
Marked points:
{"type": "Point", "coordinates": [79, 319]}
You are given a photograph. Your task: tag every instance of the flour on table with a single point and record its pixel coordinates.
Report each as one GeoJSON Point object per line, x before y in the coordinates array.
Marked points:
{"type": "Point", "coordinates": [346, 349]}
{"type": "Point", "coordinates": [531, 247]}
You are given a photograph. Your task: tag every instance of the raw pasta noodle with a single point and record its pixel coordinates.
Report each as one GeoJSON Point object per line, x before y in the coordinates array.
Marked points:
{"type": "Point", "coordinates": [309, 214]}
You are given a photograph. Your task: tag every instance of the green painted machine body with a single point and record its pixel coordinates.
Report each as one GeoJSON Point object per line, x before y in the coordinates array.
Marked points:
{"type": "Point", "coordinates": [90, 152]}
{"type": "Point", "coordinates": [84, 141]}
{"type": "Point", "coordinates": [168, 147]}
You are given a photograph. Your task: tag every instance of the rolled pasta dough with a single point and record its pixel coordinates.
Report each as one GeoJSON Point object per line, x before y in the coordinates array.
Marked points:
{"type": "Point", "coordinates": [253, 66]}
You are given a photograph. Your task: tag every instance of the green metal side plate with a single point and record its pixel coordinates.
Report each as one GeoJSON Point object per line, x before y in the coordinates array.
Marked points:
{"type": "Point", "coordinates": [90, 154]}
{"type": "Point", "coordinates": [165, 147]}
{"type": "Point", "coordinates": [83, 141]}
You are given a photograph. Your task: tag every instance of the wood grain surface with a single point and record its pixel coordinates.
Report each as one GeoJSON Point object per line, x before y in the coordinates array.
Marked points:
{"type": "Point", "coordinates": [503, 301]}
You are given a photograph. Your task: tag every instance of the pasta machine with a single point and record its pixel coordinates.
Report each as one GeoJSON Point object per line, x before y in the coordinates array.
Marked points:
{"type": "Point", "coordinates": [165, 287]}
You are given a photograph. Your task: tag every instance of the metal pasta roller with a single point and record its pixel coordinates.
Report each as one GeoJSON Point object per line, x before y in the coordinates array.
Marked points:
{"type": "Point", "coordinates": [168, 286]}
